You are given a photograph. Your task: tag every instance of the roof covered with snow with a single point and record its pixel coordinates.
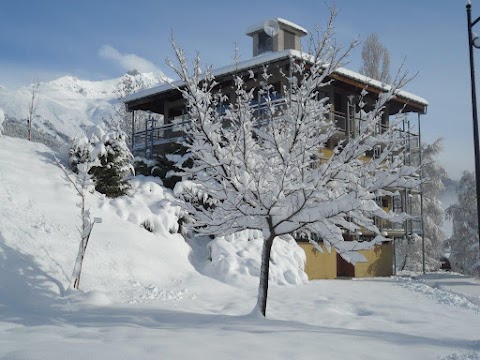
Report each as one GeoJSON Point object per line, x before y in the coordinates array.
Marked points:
{"type": "Point", "coordinates": [274, 57]}
{"type": "Point", "coordinates": [285, 23]}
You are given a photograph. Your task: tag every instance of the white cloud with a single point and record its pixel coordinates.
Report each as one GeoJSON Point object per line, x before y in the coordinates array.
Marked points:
{"type": "Point", "coordinates": [127, 61]}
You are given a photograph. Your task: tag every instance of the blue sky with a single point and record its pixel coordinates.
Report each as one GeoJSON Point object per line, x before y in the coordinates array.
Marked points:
{"type": "Point", "coordinates": [90, 39]}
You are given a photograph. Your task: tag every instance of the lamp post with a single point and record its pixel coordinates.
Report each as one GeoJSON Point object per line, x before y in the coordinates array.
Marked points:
{"type": "Point", "coordinates": [474, 41]}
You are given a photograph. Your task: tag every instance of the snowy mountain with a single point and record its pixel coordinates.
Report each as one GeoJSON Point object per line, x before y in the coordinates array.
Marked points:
{"type": "Point", "coordinates": [66, 106]}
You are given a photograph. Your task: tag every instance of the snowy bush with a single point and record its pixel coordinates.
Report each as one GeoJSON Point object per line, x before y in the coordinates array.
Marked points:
{"type": "Point", "coordinates": [113, 159]}
{"type": "Point", "coordinates": [148, 225]}
{"type": "Point", "coordinates": [149, 205]}
{"type": "Point", "coordinates": [236, 259]}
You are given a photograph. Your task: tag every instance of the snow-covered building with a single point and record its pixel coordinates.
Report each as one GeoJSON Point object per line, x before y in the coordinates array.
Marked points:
{"type": "Point", "coordinates": [276, 43]}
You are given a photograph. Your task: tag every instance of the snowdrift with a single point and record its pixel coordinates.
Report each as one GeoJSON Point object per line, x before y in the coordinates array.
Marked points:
{"type": "Point", "coordinates": [236, 259]}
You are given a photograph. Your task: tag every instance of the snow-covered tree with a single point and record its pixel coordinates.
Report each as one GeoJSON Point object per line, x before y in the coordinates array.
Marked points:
{"type": "Point", "coordinates": [2, 119]}
{"type": "Point", "coordinates": [375, 59]}
{"type": "Point", "coordinates": [32, 107]}
{"type": "Point", "coordinates": [114, 160]}
{"type": "Point", "coordinates": [245, 174]}
{"type": "Point", "coordinates": [433, 214]}
{"type": "Point", "coordinates": [464, 251]}
{"type": "Point", "coordinates": [83, 184]}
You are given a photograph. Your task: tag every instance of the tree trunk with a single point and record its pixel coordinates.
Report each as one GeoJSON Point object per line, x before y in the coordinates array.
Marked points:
{"type": "Point", "coordinates": [87, 227]}
{"type": "Point", "coordinates": [264, 272]}
{"type": "Point", "coordinates": [77, 269]}
{"type": "Point", "coordinates": [29, 129]}
{"type": "Point", "coordinates": [405, 259]}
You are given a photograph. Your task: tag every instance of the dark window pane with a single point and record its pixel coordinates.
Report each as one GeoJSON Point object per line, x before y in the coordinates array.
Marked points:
{"type": "Point", "coordinates": [289, 40]}
{"type": "Point", "coordinates": [265, 42]}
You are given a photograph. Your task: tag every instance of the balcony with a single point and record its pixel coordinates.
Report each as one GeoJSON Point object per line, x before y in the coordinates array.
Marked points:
{"type": "Point", "coordinates": [173, 131]}
{"type": "Point", "coordinates": [158, 135]}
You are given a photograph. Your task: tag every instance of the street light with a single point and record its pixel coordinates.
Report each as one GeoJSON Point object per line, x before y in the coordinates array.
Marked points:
{"type": "Point", "coordinates": [474, 41]}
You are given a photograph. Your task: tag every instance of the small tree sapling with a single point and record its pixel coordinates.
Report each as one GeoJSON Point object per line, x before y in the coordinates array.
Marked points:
{"type": "Point", "coordinates": [83, 184]}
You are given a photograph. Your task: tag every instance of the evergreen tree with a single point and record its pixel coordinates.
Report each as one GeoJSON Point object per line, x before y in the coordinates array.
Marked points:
{"type": "Point", "coordinates": [114, 160]}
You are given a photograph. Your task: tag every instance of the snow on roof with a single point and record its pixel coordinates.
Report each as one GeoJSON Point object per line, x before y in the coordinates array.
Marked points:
{"type": "Point", "coordinates": [272, 57]}
{"type": "Point", "coordinates": [378, 84]}
{"type": "Point", "coordinates": [281, 21]}
{"type": "Point", "coordinates": [248, 64]}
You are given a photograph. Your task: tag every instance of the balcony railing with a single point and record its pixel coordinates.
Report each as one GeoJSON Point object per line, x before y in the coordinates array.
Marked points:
{"type": "Point", "coordinates": [174, 130]}
{"type": "Point", "coordinates": [408, 227]}
{"type": "Point", "coordinates": [158, 135]}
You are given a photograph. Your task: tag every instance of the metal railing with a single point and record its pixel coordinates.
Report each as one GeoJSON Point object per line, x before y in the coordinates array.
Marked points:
{"type": "Point", "coordinates": [263, 112]}
{"type": "Point", "coordinates": [407, 227]}
{"type": "Point", "coordinates": [158, 135]}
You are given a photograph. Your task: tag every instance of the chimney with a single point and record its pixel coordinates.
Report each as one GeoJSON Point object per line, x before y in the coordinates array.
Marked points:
{"type": "Point", "coordinates": [275, 35]}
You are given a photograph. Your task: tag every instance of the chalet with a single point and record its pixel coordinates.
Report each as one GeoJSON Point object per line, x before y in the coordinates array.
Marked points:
{"type": "Point", "coordinates": [276, 43]}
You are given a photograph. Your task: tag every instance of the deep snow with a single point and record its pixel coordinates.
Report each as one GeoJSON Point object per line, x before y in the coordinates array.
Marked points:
{"type": "Point", "coordinates": [145, 296]}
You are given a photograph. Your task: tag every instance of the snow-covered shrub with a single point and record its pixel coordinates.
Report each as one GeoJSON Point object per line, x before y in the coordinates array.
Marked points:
{"type": "Point", "coordinates": [148, 225]}
{"type": "Point", "coordinates": [144, 166]}
{"type": "Point", "coordinates": [236, 259]}
{"type": "Point", "coordinates": [149, 205]}
{"type": "Point", "coordinates": [113, 159]}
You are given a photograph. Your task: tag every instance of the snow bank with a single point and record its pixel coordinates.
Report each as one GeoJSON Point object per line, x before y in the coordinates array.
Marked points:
{"type": "Point", "coordinates": [236, 259]}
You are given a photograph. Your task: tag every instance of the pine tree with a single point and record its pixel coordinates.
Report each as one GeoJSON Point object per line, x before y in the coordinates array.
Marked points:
{"type": "Point", "coordinates": [114, 160]}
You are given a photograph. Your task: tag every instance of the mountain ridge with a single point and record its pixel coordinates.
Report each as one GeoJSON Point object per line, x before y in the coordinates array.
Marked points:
{"type": "Point", "coordinates": [67, 106]}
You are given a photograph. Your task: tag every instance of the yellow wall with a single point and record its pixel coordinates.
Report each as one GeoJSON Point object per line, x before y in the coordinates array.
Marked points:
{"type": "Point", "coordinates": [324, 265]}
{"type": "Point", "coordinates": [379, 261]}
{"type": "Point", "coordinates": [319, 265]}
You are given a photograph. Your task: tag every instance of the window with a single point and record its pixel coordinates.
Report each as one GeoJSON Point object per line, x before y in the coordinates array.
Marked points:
{"type": "Point", "coordinates": [338, 102]}
{"type": "Point", "coordinates": [265, 42]}
{"type": "Point", "coordinates": [289, 40]}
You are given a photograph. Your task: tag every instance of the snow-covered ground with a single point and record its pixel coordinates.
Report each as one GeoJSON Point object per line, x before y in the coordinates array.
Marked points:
{"type": "Point", "coordinates": [145, 294]}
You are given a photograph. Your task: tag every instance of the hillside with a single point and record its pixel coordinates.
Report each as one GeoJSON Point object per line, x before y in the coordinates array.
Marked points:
{"type": "Point", "coordinates": [69, 105]}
